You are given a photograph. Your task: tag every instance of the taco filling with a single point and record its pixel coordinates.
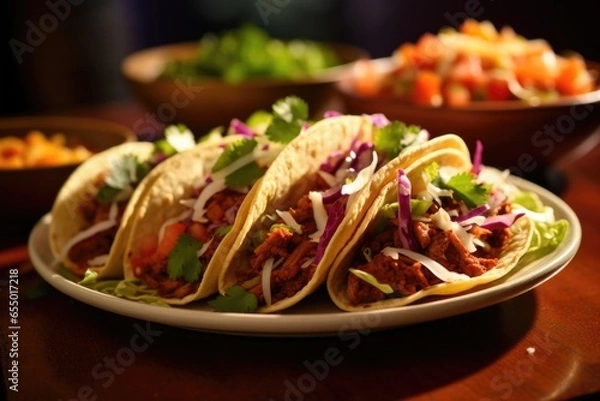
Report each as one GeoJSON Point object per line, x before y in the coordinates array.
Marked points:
{"type": "Point", "coordinates": [174, 260]}
{"type": "Point", "coordinates": [287, 245]}
{"type": "Point", "coordinates": [102, 208]}
{"type": "Point", "coordinates": [455, 229]}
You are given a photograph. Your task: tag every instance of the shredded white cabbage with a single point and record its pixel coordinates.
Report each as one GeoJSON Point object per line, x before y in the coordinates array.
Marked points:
{"type": "Point", "coordinates": [172, 220]}
{"type": "Point", "coordinates": [204, 248]}
{"type": "Point", "coordinates": [319, 213]}
{"type": "Point", "coordinates": [434, 267]}
{"type": "Point", "coordinates": [362, 178]}
{"type": "Point", "coordinates": [289, 220]}
{"type": "Point", "coordinates": [211, 189]}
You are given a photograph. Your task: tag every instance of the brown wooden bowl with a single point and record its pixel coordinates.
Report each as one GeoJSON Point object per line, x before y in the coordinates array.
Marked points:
{"type": "Point", "coordinates": [515, 135]}
{"type": "Point", "coordinates": [28, 193]}
{"type": "Point", "coordinates": [205, 103]}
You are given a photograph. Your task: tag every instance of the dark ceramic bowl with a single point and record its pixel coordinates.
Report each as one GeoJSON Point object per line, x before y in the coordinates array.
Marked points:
{"type": "Point", "coordinates": [205, 103]}
{"type": "Point", "coordinates": [526, 138]}
{"type": "Point", "coordinates": [28, 193]}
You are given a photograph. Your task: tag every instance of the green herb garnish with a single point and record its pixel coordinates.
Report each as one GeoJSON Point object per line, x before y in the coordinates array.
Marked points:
{"type": "Point", "coordinates": [125, 173]}
{"type": "Point", "coordinates": [466, 189]}
{"type": "Point", "coordinates": [289, 115]}
{"type": "Point", "coordinates": [237, 299]}
{"type": "Point", "coordinates": [234, 151]}
{"type": "Point", "coordinates": [244, 176]}
{"type": "Point", "coordinates": [390, 139]}
{"type": "Point", "coordinates": [183, 260]}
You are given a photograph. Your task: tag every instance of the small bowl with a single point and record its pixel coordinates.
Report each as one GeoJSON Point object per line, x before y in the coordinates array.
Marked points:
{"type": "Point", "coordinates": [525, 138]}
{"type": "Point", "coordinates": [205, 103]}
{"type": "Point", "coordinates": [28, 193]}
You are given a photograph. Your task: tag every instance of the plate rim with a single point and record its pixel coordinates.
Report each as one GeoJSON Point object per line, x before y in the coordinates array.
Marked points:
{"type": "Point", "coordinates": [325, 323]}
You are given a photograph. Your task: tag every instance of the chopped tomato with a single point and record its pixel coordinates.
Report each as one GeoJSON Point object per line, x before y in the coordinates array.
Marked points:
{"type": "Point", "coordinates": [169, 240]}
{"type": "Point", "coordinates": [429, 50]}
{"type": "Point", "coordinates": [468, 71]}
{"type": "Point", "coordinates": [497, 90]}
{"type": "Point", "coordinates": [214, 212]}
{"type": "Point", "coordinates": [199, 232]}
{"type": "Point", "coordinates": [573, 78]}
{"type": "Point", "coordinates": [456, 95]}
{"type": "Point", "coordinates": [365, 78]}
{"type": "Point", "coordinates": [537, 69]}
{"type": "Point", "coordinates": [427, 90]}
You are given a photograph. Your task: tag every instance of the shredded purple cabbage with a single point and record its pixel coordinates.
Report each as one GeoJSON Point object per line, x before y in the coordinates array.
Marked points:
{"type": "Point", "coordinates": [331, 113]}
{"type": "Point", "coordinates": [478, 211]}
{"type": "Point", "coordinates": [332, 194]}
{"type": "Point", "coordinates": [363, 156]}
{"type": "Point", "coordinates": [379, 120]}
{"type": "Point", "coordinates": [333, 163]}
{"type": "Point", "coordinates": [335, 215]}
{"type": "Point", "coordinates": [477, 157]}
{"type": "Point", "coordinates": [501, 221]}
{"type": "Point", "coordinates": [240, 128]}
{"type": "Point", "coordinates": [404, 216]}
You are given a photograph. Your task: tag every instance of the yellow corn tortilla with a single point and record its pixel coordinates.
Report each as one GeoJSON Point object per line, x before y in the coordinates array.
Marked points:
{"type": "Point", "coordinates": [337, 280]}
{"type": "Point", "coordinates": [177, 179]}
{"type": "Point", "coordinates": [291, 176]}
{"type": "Point", "coordinates": [67, 219]}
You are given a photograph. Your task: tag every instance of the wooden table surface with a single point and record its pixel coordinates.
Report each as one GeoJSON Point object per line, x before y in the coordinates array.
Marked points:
{"type": "Point", "coordinates": [68, 350]}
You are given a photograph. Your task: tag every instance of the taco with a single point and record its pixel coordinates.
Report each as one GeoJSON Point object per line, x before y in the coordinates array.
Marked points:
{"type": "Point", "coordinates": [283, 248]}
{"type": "Point", "coordinates": [176, 246]}
{"type": "Point", "coordinates": [435, 229]}
{"type": "Point", "coordinates": [91, 213]}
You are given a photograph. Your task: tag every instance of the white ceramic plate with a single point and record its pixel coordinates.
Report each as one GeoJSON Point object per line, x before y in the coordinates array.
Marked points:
{"type": "Point", "coordinates": [317, 315]}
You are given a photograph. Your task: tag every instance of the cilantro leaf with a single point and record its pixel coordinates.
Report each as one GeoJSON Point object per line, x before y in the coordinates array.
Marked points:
{"type": "Point", "coordinates": [178, 138]}
{"type": "Point", "coordinates": [289, 115]}
{"type": "Point", "coordinates": [390, 139]}
{"type": "Point", "coordinates": [125, 173]}
{"type": "Point", "coordinates": [467, 189]}
{"type": "Point", "coordinates": [183, 260]}
{"type": "Point", "coordinates": [244, 176]}
{"type": "Point", "coordinates": [236, 300]}
{"type": "Point", "coordinates": [234, 151]}
{"type": "Point", "coordinates": [290, 109]}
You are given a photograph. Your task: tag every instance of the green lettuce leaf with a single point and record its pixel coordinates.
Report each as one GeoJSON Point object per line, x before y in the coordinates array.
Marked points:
{"type": "Point", "coordinates": [126, 289]}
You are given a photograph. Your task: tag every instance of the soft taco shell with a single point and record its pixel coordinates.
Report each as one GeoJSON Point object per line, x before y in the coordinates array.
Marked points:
{"type": "Point", "coordinates": [291, 176]}
{"type": "Point", "coordinates": [67, 219]}
{"type": "Point", "coordinates": [177, 178]}
{"type": "Point", "coordinates": [337, 279]}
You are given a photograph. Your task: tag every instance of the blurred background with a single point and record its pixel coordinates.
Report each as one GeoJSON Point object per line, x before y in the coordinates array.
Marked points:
{"type": "Point", "coordinates": [74, 61]}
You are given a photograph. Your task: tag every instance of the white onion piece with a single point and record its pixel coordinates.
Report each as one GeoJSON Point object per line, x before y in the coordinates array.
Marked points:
{"type": "Point", "coordinates": [204, 248]}
{"type": "Point", "coordinates": [207, 193]}
{"type": "Point", "coordinates": [266, 280]}
{"type": "Point", "coordinates": [289, 220]}
{"type": "Point", "coordinates": [362, 178]}
{"type": "Point", "coordinates": [319, 213]}
{"type": "Point", "coordinates": [434, 267]}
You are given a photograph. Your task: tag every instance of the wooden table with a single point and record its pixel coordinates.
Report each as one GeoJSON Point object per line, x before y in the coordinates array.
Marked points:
{"type": "Point", "coordinates": [68, 350]}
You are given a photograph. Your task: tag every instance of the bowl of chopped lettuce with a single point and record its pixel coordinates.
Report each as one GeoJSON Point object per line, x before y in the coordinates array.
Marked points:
{"type": "Point", "coordinates": [206, 83]}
